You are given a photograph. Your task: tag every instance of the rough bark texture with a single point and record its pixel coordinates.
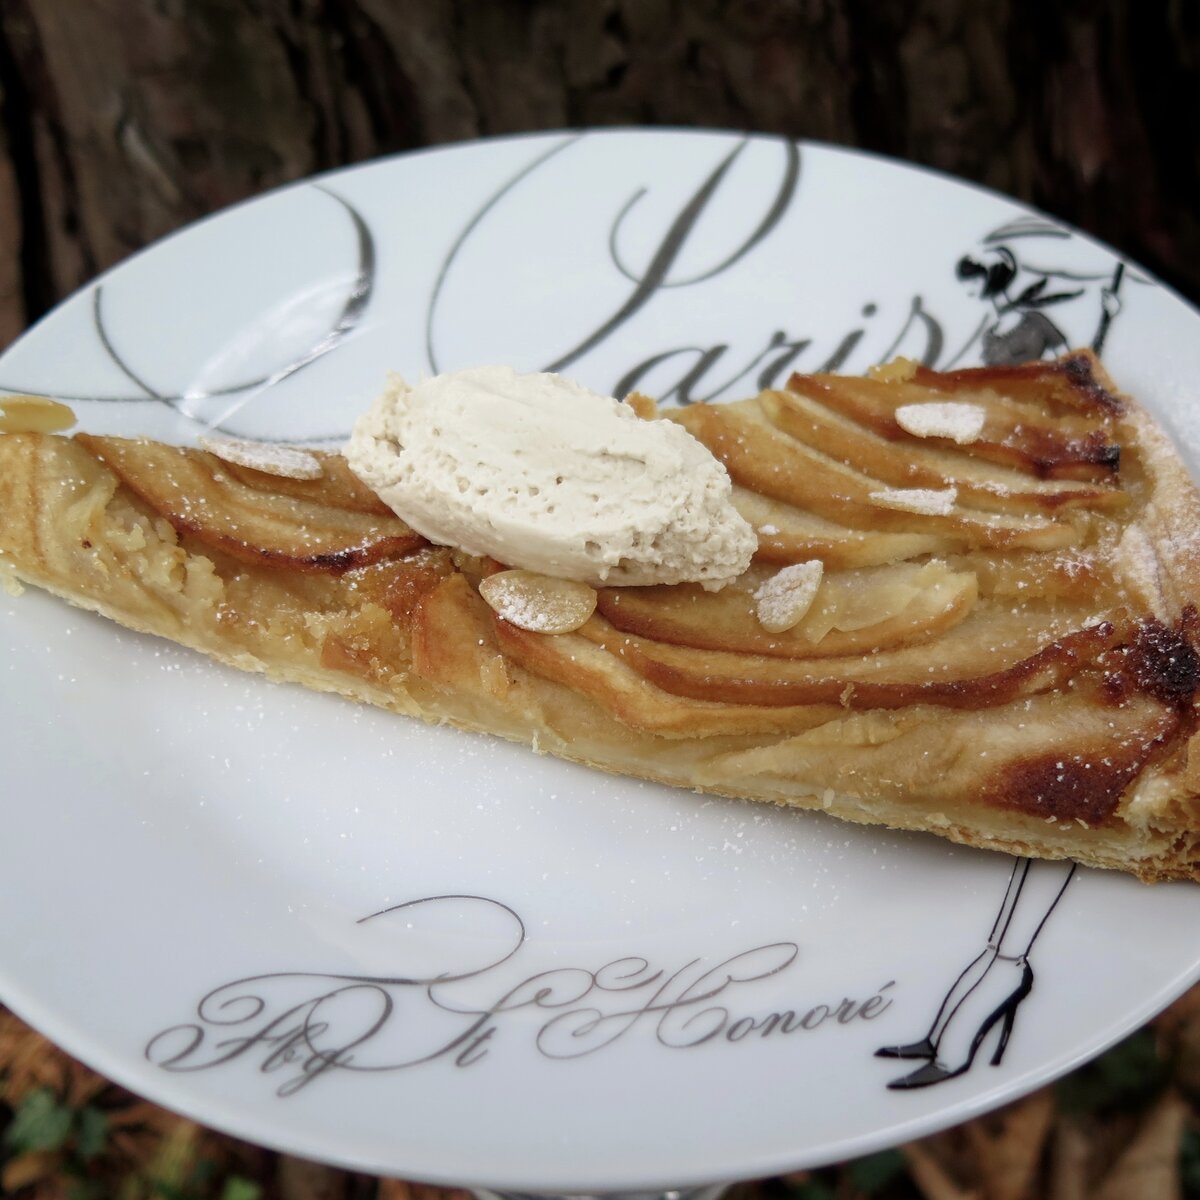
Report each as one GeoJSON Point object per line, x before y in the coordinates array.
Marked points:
{"type": "Point", "coordinates": [123, 119]}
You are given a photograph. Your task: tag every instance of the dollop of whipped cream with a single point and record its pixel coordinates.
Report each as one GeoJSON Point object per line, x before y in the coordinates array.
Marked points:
{"type": "Point", "coordinates": [539, 472]}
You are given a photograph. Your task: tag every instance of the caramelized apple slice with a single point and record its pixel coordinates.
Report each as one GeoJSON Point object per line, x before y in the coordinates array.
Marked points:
{"type": "Point", "coordinates": [584, 667]}
{"type": "Point", "coordinates": [1039, 418]}
{"type": "Point", "coordinates": [252, 516]}
{"type": "Point", "coordinates": [1062, 387]}
{"type": "Point", "coordinates": [338, 486]}
{"type": "Point", "coordinates": [454, 647]}
{"type": "Point", "coordinates": [759, 457]}
{"type": "Point", "coordinates": [987, 659]}
{"type": "Point", "coordinates": [787, 534]}
{"type": "Point", "coordinates": [1083, 577]}
{"type": "Point", "coordinates": [1057, 757]}
{"type": "Point", "coordinates": [916, 463]}
{"type": "Point", "coordinates": [855, 612]}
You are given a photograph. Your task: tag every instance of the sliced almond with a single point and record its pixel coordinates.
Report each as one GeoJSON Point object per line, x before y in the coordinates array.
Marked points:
{"type": "Point", "coordinates": [786, 597]}
{"type": "Point", "coordinates": [539, 603]}
{"type": "Point", "coordinates": [34, 414]}
{"type": "Point", "coordinates": [933, 502]}
{"type": "Point", "coordinates": [961, 423]}
{"type": "Point", "coordinates": [269, 457]}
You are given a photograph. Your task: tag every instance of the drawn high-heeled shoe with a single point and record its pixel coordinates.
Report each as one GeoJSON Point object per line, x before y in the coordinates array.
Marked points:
{"type": "Point", "coordinates": [1004, 1014]}
{"type": "Point", "coordinates": [962, 987]}
{"type": "Point", "coordinates": [920, 1049]}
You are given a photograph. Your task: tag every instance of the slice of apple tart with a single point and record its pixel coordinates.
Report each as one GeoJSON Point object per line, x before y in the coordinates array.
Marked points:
{"type": "Point", "coordinates": [972, 608]}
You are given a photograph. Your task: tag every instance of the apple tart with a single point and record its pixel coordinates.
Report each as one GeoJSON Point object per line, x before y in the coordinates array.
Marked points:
{"type": "Point", "coordinates": [972, 610]}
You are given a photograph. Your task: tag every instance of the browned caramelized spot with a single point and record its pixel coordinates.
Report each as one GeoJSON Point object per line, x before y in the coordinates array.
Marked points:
{"type": "Point", "coordinates": [1067, 787]}
{"type": "Point", "coordinates": [1163, 663]}
{"type": "Point", "coordinates": [1052, 457]}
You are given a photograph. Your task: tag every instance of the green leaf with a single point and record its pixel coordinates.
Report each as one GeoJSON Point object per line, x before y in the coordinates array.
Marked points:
{"type": "Point", "coordinates": [91, 1132]}
{"type": "Point", "coordinates": [237, 1188]}
{"type": "Point", "coordinates": [873, 1173]}
{"type": "Point", "coordinates": [40, 1123]}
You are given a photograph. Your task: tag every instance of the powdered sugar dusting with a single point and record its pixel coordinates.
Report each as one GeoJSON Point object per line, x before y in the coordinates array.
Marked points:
{"type": "Point", "coordinates": [926, 501]}
{"type": "Point", "coordinates": [268, 457]}
{"type": "Point", "coordinates": [961, 423]}
{"type": "Point", "coordinates": [785, 598]}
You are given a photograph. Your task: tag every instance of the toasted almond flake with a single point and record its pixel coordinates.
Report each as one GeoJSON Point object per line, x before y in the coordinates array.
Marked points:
{"type": "Point", "coordinates": [961, 423]}
{"type": "Point", "coordinates": [927, 501]}
{"type": "Point", "coordinates": [34, 414]}
{"type": "Point", "coordinates": [788, 595]}
{"type": "Point", "coordinates": [268, 457]}
{"type": "Point", "coordinates": [539, 603]}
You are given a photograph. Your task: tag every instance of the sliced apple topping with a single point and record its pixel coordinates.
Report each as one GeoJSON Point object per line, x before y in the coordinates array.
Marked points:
{"type": "Point", "coordinates": [1058, 755]}
{"type": "Point", "coordinates": [296, 525]}
{"type": "Point", "coordinates": [852, 612]}
{"type": "Point", "coordinates": [337, 485]}
{"type": "Point", "coordinates": [989, 658]}
{"type": "Point", "coordinates": [1048, 420]}
{"type": "Point", "coordinates": [787, 534]}
{"type": "Point", "coordinates": [760, 457]}
{"type": "Point", "coordinates": [896, 458]}
{"type": "Point", "coordinates": [538, 603]}
{"type": "Point", "coordinates": [34, 414]}
{"type": "Point", "coordinates": [1083, 577]}
{"type": "Point", "coordinates": [584, 667]}
{"type": "Point", "coordinates": [271, 458]}
{"type": "Point", "coordinates": [785, 598]}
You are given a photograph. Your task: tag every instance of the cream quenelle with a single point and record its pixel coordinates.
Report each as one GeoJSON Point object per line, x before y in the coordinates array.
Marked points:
{"type": "Point", "coordinates": [538, 472]}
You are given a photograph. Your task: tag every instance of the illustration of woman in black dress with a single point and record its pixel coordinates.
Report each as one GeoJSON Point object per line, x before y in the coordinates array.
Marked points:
{"type": "Point", "coordinates": [1025, 293]}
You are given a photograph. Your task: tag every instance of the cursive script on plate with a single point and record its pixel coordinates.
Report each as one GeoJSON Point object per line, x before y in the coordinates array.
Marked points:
{"type": "Point", "coordinates": [461, 996]}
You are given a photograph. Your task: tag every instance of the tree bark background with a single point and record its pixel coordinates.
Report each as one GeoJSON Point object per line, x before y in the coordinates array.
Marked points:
{"type": "Point", "coordinates": [121, 120]}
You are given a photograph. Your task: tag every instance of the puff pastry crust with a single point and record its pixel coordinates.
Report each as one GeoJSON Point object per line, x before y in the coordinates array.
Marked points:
{"type": "Point", "coordinates": [1002, 650]}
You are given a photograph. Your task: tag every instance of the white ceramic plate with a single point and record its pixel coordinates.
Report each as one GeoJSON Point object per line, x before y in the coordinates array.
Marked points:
{"type": "Point", "coordinates": [641, 986]}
